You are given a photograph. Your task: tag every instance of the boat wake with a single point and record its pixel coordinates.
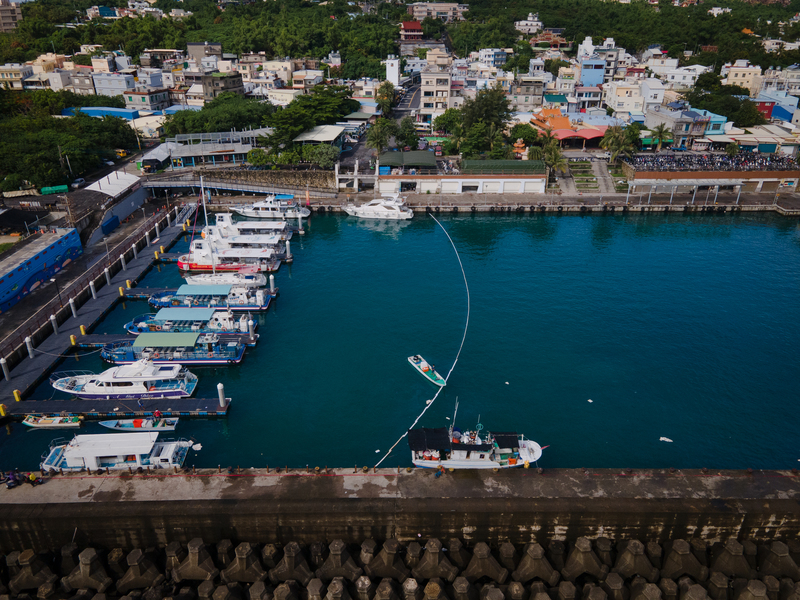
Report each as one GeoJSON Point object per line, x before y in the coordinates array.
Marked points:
{"type": "Point", "coordinates": [430, 402]}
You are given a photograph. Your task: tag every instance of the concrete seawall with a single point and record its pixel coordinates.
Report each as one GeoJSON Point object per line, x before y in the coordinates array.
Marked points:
{"type": "Point", "coordinates": [518, 506]}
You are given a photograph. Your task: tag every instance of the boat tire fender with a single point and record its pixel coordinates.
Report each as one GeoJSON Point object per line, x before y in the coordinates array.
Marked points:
{"type": "Point", "coordinates": [560, 208]}
{"type": "Point", "coordinates": [436, 209]}
{"type": "Point", "coordinates": [473, 209]}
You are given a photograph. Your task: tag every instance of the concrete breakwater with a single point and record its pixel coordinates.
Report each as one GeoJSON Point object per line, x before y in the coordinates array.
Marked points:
{"type": "Point", "coordinates": [141, 510]}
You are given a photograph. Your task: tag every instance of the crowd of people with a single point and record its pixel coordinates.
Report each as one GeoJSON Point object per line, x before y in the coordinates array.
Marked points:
{"type": "Point", "coordinates": [744, 161]}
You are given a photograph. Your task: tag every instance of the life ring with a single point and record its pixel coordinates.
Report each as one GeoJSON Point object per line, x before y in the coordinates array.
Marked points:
{"type": "Point", "coordinates": [210, 355]}
{"type": "Point", "coordinates": [158, 327]}
{"type": "Point", "coordinates": [156, 355]}
{"type": "Point", "coordinates": [152, 388]}
{"type": "Point", "coordinates": [241, 301]}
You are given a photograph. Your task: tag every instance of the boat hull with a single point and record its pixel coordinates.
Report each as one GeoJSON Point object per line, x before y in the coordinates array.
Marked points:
{"type": "Point", "coordinates": [132, 425]}
{"type": "Point", "coordinates": [303, 213]}
{"type": "Point", "coordinates": [194, 267]}
{"type": "Point", "coordinates": [426, 370]}
{"type": "Point", "coordinates": [52, 422]}
{"type": "Point", "coordinates": [139, 396]}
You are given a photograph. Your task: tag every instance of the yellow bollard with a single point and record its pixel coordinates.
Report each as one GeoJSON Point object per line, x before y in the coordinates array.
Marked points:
{"type": "Point", "coordinates": [184, 226]}
{"type": "Point", "coordinates": [17, 395]}
{"type": "Point", "coordinates": [121, 291]}
{"type": "Point", "coordinates": [187, 223]}
{"type": "Point", "coordinates": [128, 283]}
{"type": "Point", "coordinates": [156, 254]}
{"type": "Point", "coordinates": [2, 410]}
{"type": "Point", "coordinates": [73, 340]}
{"type": "Point", "coordinates": [162, 249]}
{"type": "Point", "coordinates": [83, 329]}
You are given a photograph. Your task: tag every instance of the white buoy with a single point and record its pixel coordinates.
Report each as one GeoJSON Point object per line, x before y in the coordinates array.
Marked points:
{"type": "Point", "coordinates": [73, 307]}
{"type": "Point", "coordinates": [588, 400]}
{"type": "Point", "coordinates": [251, 330]}
{"type": "Point", "coordinates": [93, 290]}
{"type": "Point", "coordinates": [55, 324]}
{"type": "Point", "coordinates": [4, 366]}
{"type": "Point", "coordinates": [29, 345]}
{"type": "Point", "coordinates": [122, 262]}
{"type": "Point", "coordinates": [272, 284]}
{"type": "Point", "coordinates": [108, 276]}
{"type": "Point", "coordinates": [221, 393]}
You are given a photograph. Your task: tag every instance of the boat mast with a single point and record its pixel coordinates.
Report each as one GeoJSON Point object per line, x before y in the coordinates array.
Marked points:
{"type": "Point", "coordinates": [205, 215]}
{"type": "Point", "coordinates": [453, 424]}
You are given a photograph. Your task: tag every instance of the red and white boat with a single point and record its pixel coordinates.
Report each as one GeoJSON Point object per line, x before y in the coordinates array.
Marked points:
{"type": "Point", "coordinates": [205, 257]}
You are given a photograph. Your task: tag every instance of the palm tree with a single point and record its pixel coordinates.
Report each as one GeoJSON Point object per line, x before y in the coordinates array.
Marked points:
{"type": "Point", "coordinates": [535, 153]}
{"type": "Point", "coordinates": [731, 149]}
{"type": "Point", "coordinates": [554, 160]}
{"type": "Point", "coordinates": [660, 132]}
{"type": "Point", "coordinates": [617, 143]}
{"type": "Point", "coordinates": [547, 138]}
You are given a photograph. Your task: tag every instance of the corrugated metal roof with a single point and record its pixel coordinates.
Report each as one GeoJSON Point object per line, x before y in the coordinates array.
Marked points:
{"type": "Point", "coordinates": [165, 340]}
{"type": "Point", "coordinates": [185, 314]}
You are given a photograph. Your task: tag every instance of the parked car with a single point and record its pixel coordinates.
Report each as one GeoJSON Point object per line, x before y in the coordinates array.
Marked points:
{"type": "Point", "coordinates": [78, 183]}
{"type": "Point", "coordinates": [109, 163]}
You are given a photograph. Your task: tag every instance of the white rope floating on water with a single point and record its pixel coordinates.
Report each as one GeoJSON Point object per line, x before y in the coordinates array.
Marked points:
{"type": "Point", "coordinates": [458, 354]}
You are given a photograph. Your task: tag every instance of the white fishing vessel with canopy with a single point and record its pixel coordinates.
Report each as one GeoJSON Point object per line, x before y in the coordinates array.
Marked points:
{"type": "Point", "coordinates": [272, 207]}
{"type": "Point", "coordinates": [227, 226]}
{"type": "Point", "coordinates": [247, 277]}
{"type": "Point", "coordinates": [475, 449]}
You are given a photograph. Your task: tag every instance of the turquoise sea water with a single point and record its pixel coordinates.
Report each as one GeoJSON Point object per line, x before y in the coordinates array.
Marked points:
{"type": "Point", "coordinates": [674, 326]}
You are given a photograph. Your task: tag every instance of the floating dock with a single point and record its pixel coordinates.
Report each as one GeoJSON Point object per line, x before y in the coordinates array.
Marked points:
{"type": "Point", "coordinates": [124, 408]}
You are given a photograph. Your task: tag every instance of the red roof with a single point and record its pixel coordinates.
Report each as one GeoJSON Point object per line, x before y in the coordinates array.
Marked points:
{"type": "Point", "coordinates": [412, 25]}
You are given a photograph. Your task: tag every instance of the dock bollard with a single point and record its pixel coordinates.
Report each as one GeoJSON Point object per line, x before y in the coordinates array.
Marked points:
{"type": "Point", "coordinates": [300, 225]}
{"type": "Point", "coordinates": [108, 276]}
{"type": "Point", "coordinates": [4, 366]}
{"type": "Point", "coordinates": [187, 223]}
{"type": "Point", "coordinates": [2, 410]}
{"type": "Point", "coordinates": [122, 262]}
{"type": "Point", "coordinates": [73, 307]}
{"type": "Point", "coordinates": [83, 329]}
{"type": "Point", "coordinates": [29, 345]}
{"type": "Point", "coordinates": [272, 284]}
{"type": "Point", "coordinates": [161, 248]}
{"type": "Point", "coordinates": [121, 291]}
{"type": "Point", "coordinates": [55, 324]}
{"type": "Point", "coordinates": [184, 226]}
{"type": "Point", "coordinates": [73, 340]}
{"type": "Point", "coordinates": [156, 253]}
{"type": "Point", "coordinates": [17, 396]}
{"type": "Point", "coordinates": [147, 237]}
{"type": "Point", "coordinates": [128, 283]}
{"type": "Point", "coordinates": [288, 250]}
{"type": "Point", "coordinates": [221, 393]}
{"type": "Point", "coordinates": [93, 290]}
{"type": "Point", "coordinates": [158, 229]}
{"type": "Point", "coordinates": [251, 330]}
{"type": "Point", "coordinates": [135, 252]}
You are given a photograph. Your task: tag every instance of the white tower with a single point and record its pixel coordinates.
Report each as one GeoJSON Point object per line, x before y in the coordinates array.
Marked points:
{"type": "Point", "coordinates": [393, 70]}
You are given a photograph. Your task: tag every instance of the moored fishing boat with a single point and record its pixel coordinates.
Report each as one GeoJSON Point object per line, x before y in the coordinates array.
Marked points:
{"type": "Point", "coordinates": [185, 348]}
{"type": "Point", "coordinates": [140, 379]}
{"type": "Point", "coordinates": [114, 451]}
{"type": "Point", "coordinates": [251, 280]}
{"type": "Point", "coordinates": [452, 448]}
{"type": "Point", "coordinates": [193, 320]}
{"type": "Point", "coordinates": [40, 422]}
{"type": "Point", "coordinates": [131, 425]}
{"type": "Point", "coordinates": [238, 299]}
{"type": "Point", "coordinates": [427, 370]}
{"type": "Point", "coordinates": [227, 226]}
{"type": "Point", "coordinates": [272, 207]}
{"type": "Point", "coordinates": [203, 256]}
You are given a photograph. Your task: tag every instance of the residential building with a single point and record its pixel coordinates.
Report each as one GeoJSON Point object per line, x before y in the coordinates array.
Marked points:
{"type": "Point", "coordinates": [623, 98]}
{"type": "Point", "coordinates": [82, 82]}
{"type": "Point", "coordinates": [765, 105]}
{"type": "Point", "coordinates": [446, 11]}
{"type": "Point", "coordinates": [717, 11]}
{"type": "Point", "coordinates": [392, 63]}
{"type": "Point", "coordinates": [792, 76]}
{"type": "Point", "coordinates": [438, 92]}
{"type": "Point", "coordinates": [37, 81]}
{"type": "Point", "coordinates": [306, 79]}
{"type": "Point", "coordinates": [743, 74]}
{"type": "Point", "coordinates": [60, 80]}
{"type": "Point", "coordinates": [10, 16]}
{"type": "Point", "coordinates": [199, 50]}
{"type": "Point", "coordinates": [773, 80]}
{"type": "Point", "coordinates": [155, 57]}
{"type": "Point", "coordinates": [179, 13]}
{"type": "Point", "coordinates": [683, 78]}
{"type": "Point", "coordinates": [101, 12]}
{"type": "Point", "coordinates": [282, 97]}
{"type": "Point", "coordinates": [565, 82]}
{"type": "Point", "coordinates": [592, 71]}
{"type": "Point", "coordinates": [212, 84]}
{"type": "Point", "coordinates": [715, 124]}
{"type": "Point", "coordinates": [410, 31]}
{"type": "Point", "coordinates": [495, 57]}
{"type": "Point", "coordinates": [147, 100]}
{"type": "Point", "coordinates": [47, 63]}
{"type": "Point", "coordinates": [113, 84]}
{"type": "Point", "coordinates": [661, 64]}
{"type": "Point", "coordinates": [530, 25]}
{"type": "Point", "coordinates": [13, 74]}
{"type": "Point", "coordinates": [536, 66]}
{"type": "Point", "coordinates": [366, 88]}
{"type": "Point", "coordinates": [438, 59]}
{"type": "Point", "coordinates": [104, 64]}
{"type": "Point", "coordinates": [526, 92]}
{"type": "Point", "coordinates": [652, 92]}
{"type": "Point", "coordinates": [590, 96]}
{"type": "Point", "coordinates": [586, 47]}
{"type": "Point", "coordinates": [785, 105]}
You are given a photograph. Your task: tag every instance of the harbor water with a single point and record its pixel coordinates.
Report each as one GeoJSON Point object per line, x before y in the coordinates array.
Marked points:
{"type": "Point", "coordinates": [602, 337]}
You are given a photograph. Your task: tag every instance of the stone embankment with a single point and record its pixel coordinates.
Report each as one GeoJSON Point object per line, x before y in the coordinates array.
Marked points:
{"type": "Point", "coordinates": [427, 569]}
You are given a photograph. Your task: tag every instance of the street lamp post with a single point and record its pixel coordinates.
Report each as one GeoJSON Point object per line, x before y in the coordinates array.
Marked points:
{"type": "Point", "coordinates": [58, 289]}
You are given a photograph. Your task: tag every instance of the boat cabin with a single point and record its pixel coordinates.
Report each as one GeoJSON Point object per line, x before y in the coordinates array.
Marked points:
{"type": "Point", "coordinates": [115, 451]}
{"type": "Point", "coordinates": [468, 450]}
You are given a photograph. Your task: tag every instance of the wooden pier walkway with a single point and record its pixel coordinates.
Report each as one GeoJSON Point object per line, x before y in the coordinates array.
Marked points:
{"type": "Point", "coordinates": [120, 409]}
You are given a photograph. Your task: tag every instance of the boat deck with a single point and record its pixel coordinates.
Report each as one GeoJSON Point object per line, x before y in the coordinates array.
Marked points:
{"type": "Point", "coordinates": [144, 293]}
{"type": "Point", "coordinates": [119, 409]}
{"type": "Point", "coordinates": [98, 340]}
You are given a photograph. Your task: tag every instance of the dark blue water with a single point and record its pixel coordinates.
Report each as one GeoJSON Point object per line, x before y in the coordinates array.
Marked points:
{"type": "Point", "coordinates": [673, 326]}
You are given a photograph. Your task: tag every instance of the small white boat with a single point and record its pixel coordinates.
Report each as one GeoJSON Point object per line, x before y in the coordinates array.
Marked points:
{"type": "Point", "coordinates": [115, 451]}
{"type": "Point", "coordinates": [272, 208]}
{"type": "Point", "coordinates": [251, 280]}
{"type": "Point", "coordinates": [52, 422]}
{"type": "Point", "coordinates": [427, 370]}
{"type": "Point", "coordinates": [140, 379]}
{"type": "Point", "coordinates": [228, 227]}
{"type": "Point", "coordinates": [391, 208]}
{"type": "Point", "coordinates": [151, 424]}
{"type": "Point", "coordinates": [455, 449]}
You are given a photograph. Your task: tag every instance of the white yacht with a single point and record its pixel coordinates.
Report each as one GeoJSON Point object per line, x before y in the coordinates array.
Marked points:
{"type": "Point", "coordinates": [240, 278]}
{"type": "Point", "coordinates": [227, 226]}
{"type": "Point", "coordinates": [272, 208]}
{"type": "Point", "coordinates": [206, 256]}
{"type": "Point", "coordinates": [391, 208]}
{"type": "Point", "coordinates": [141, 379]}
{"type": "Point", "coordinates": [115, 451]}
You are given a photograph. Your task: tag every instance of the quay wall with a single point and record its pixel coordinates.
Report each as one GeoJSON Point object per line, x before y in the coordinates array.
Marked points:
{"type": "Point", "coordinates": [518, 506]}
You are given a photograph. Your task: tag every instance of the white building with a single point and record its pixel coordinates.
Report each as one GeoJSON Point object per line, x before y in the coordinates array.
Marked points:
{"type": "Point", "coordinates": [683, 78]}
{"type": "Point", "coordinates": [393, 69]}
{"type": "Point", "coordinates": [586, 47]}
{"type": "Point", "coordinates": [661, 64]}
{"type": "Point", "coordinates": [13, 74]}
{"type": "Point", "coordinates": [717, 11]}
{"type": "Point", "coordinates": [530, 26]}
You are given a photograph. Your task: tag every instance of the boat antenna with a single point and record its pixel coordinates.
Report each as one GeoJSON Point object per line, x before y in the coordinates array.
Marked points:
{"type": "Point", "coordinates": [453, 424]}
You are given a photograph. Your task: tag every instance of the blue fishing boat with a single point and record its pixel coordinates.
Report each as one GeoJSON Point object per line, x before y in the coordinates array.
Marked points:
{"type": "Point", "coordinates": [236, 298]}
{"type": "Point", "coordinates": [183, 348]}
{"type": "Point", "coordinates": [191, 320]}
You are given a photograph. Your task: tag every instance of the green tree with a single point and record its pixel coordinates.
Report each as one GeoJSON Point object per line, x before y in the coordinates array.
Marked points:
{"type": "Point", "coordinates": [325, 155]}
{"type": "Point", "coordinates": [661, 133]}
{"type": "Point", "coordinates": [385, 95]}
{"type": "Point", "coordinates": [257, 157]}
{"type": "Point", "coordinates": [553, 65]}
{"type": "Point", "coordinates": [421, 53]}
{"type": "Point", "coordinates": [407, 133]}
{"type": "Point", "coordinates": [617, 143]}
{"type": "Point", "coordinates": [554, 160]}
{"type": "Point", "coordinates": [380, 134]}
{"type": "Point", "coordinates": [489, 106]}
{"type": "Point", "coordinates": [475, 141]}
{"type": "Point", "coordinates": [448, 121]}
{"type": "Point", "coordinates": [524, 132]}
{"type": "Point", "coordinates": [432, 28]}
{"type": "Point", "coordinates": [732, 149]}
